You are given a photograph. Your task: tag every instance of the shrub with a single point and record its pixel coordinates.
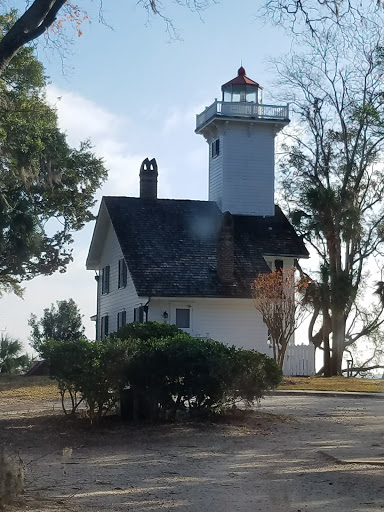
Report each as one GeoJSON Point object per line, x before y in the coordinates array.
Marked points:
{"type": "Point", "coordinates": [147, 330]}
{"type": "Point", "coordinates": [164, 375]}
{"type": "Point", "coordinates": [88, 371]}
{"type": "Point", "coordinates": [11, 478]}
{"type": "Point", "coordinates": [177, 372]}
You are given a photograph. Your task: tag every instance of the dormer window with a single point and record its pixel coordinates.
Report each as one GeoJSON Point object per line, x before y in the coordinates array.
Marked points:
{"type": "Point", "coordinates": [215, 148]}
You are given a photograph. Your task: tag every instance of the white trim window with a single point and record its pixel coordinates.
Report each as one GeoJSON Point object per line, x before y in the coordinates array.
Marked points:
{"type": "Point", "coordinates": [123, 272]}
{"type": "Point", "coordinates": [138, 314]}
{"type": "Point", "coordinates": [215, 148]}
{"type": "Point", "coordinates": [105, 275]}
{"type": "Point", "coordinates": [104, 326]}
{"type": "Point", "coordinates": [121, 319]}
{"type": "Point", "coordinates": [183, 318]}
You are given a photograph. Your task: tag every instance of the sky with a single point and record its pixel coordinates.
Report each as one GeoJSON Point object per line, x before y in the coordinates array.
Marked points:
{"type": "Point", "coordinates": [134, 92]}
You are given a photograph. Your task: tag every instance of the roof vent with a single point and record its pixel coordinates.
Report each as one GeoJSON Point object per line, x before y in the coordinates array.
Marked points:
{"type": "Point", "coordinates": [148, 179]}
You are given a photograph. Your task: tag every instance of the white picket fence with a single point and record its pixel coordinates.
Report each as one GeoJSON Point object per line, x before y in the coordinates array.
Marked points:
{"type": "Point", "coordinates": [299, 361]}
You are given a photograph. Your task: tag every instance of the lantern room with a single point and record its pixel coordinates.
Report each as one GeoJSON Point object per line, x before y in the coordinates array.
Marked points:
{"type": "Point", "coordinates": [241, 89]}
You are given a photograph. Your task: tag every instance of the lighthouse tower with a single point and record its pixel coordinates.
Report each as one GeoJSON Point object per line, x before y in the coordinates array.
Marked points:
{"type": "Point", "coordinates": [240, 132]}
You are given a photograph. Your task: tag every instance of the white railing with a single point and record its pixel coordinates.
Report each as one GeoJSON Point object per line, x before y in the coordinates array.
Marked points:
{"type": "Point", "coordinates": [243, 109]}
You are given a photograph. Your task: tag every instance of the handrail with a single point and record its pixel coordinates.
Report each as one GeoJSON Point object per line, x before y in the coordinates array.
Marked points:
{"type": "Point", "coordinates": [242, 109]}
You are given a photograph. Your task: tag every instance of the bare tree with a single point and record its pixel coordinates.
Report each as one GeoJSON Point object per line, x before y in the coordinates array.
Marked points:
{"type": "Point", "coordinates": [332, 172]}
{"type": "Point", "coordinates": [275, 296]}
{"type": "Point", "coordinates": [313, 15]}
{"type": "Point", "coordinates": [41, 15]}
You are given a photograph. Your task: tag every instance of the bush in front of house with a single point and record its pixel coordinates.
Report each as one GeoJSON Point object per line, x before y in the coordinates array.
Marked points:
{"type": "Point", "coordinates": [146, 330]}
{"type": "Point", "coordinates": [185, 373]}
{"type": "Point", "coordinates": [164, 375]}
{"type": "Point", "coordinates": [87, 371]}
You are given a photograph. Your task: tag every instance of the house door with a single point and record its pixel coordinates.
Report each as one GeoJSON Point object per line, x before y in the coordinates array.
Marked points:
{"type": "Point", "coordinates": [181, 316]}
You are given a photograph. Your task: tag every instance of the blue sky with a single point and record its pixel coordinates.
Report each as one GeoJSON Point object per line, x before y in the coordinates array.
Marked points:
{"type": "Point", "coordinates": [135, 93]}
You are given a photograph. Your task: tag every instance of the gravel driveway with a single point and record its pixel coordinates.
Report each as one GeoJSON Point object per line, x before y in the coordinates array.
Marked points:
{"type": "Point", "coordinates": [328, 455]}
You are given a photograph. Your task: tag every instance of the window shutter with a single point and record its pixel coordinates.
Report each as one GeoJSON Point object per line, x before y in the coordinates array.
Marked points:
{"type": "Point", "coordinates": [122, 274]}
{"type": "Point", "coordinates": [107, 272]}
{"type": "Point", "coordinates": [125, 273]}
{"type": "Point", "coordinates": [106, 325]}
{"type": "Point", "coordinates": [119, 274]}
{"type": "Point", "coordinates": [123, 318]}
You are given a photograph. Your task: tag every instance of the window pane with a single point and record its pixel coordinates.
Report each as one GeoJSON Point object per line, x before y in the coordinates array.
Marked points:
{"type": "Point", "coordinates": [183, 318]}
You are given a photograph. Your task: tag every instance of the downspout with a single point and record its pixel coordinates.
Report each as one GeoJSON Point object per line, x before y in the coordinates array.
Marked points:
{"type": "Point", "coordinates": [145, 308]}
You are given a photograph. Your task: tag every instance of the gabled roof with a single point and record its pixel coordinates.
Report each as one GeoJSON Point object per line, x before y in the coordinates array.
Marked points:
{"type": "Point", "coordinates": [170, 245]}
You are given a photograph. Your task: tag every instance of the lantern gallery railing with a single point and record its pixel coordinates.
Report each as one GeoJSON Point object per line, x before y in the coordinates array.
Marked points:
{"type": "Point", "coordinates": [243, 109]}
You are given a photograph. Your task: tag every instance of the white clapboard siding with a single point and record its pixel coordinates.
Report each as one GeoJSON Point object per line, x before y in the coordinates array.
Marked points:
{"type": "Point", "coordinates": [241, 178]}
{"type": "Point", "coordinates": [216, 173]}
{"type": "Point", "coordinates": [231, 321]}
{"type": "Point", "coordinates": [117, 299]}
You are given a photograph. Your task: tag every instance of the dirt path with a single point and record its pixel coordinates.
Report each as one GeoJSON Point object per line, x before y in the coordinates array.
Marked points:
{"type": "Point", "coordinates": [330, 459]}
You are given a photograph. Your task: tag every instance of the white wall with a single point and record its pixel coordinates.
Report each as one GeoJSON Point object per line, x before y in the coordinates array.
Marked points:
{"type": "Point", "coordinates": [232, 321]}
{"type": "Point", "coordinates": [242, 177]}
{"type": "Point", "coordinates": [117, 299]}
{"type": "Point", "coordinates": [216, 173]}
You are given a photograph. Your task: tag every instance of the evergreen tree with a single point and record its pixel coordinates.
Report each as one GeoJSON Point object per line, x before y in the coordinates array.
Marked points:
{"type": "Point", "coordinates": [62, 322]}
{"type": "Point", "coordinates": [47, 188]}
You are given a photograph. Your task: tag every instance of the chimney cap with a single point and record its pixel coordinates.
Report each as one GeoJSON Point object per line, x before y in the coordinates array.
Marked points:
{"type": "Point", "coordinates": [148, 165]}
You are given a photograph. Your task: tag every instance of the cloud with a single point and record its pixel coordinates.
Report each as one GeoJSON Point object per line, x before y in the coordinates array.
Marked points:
{"type": "Point", "coordinates": [109, 133]}
{"type": "Point", "coordinates": [123, 144]}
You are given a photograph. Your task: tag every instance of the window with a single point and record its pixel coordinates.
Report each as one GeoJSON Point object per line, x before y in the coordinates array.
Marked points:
{"type": "Point", "coordinates": [104, 326]}
{"type": "Point", "coordinates": [121, 319]}
{"type": "Point", "coordinates": [138, 314]}
{"type": "Point", "coordinates": [183, 318]}
{"type": "Point", "coordinates": [122, 282]}
{"type": "Point", "coordinates": [279, 264]}
{"type": "Point", "coordinates": [105, 280]}
{"type": "Point", "coordinates": [215, 148]}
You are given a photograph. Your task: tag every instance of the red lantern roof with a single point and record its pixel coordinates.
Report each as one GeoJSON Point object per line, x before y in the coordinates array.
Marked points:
{"type": "Point", "coordinates": [241, 79]}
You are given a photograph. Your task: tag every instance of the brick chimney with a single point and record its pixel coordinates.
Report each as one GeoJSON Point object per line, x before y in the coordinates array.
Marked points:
{"type": "Point", "coordinates": [148, 179]}
{"type": "Point", "coordinates": [226, 250]}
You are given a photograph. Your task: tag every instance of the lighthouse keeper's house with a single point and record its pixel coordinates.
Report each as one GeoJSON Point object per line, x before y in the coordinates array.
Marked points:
{"type": "Point", "coordinates": [191, 263]}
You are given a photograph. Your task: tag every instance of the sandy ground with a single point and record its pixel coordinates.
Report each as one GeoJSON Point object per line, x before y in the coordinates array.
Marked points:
{"type": "Point", "coordinates": [328, 456]}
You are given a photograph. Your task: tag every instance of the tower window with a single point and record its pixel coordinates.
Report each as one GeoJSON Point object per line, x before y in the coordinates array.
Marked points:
{"type": "Point", "coordinates": [215, 148]}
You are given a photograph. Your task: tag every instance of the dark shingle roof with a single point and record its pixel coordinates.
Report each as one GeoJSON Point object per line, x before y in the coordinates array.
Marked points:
{"type": "Point", "coordinates": [170, 245]}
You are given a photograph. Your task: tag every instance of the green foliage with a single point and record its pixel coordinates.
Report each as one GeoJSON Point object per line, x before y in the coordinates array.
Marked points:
{"type": "Point", "coordinates": [165, 375]}
{"type": "Point", "coordinates": [87, 371]}
{"type": "Point", "coordinates": [47, 188]}
{"type": "Point", "coordinates": [173, 373]}
{"type": "Point", "coordinates": [145, 331]}
{"type": "Point", "coordinates": [62, 322]}
{"type": "Point", "coordinates": [11, 359]}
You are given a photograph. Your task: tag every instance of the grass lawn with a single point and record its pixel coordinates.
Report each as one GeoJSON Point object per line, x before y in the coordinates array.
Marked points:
{"type": "Point", "coordinates": [333, 384]}
{"type": "Point", "coordinates": [29, 388]}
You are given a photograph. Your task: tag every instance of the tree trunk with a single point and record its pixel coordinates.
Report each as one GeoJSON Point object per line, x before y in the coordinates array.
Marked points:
{"type": "Point", "coordinates": [327, 328]}
{"type": "Point", "coordinates": [338, 340]}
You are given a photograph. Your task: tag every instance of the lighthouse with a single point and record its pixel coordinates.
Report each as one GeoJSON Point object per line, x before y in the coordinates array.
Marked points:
{"type": "Point", "coordinates": [240, 131]}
